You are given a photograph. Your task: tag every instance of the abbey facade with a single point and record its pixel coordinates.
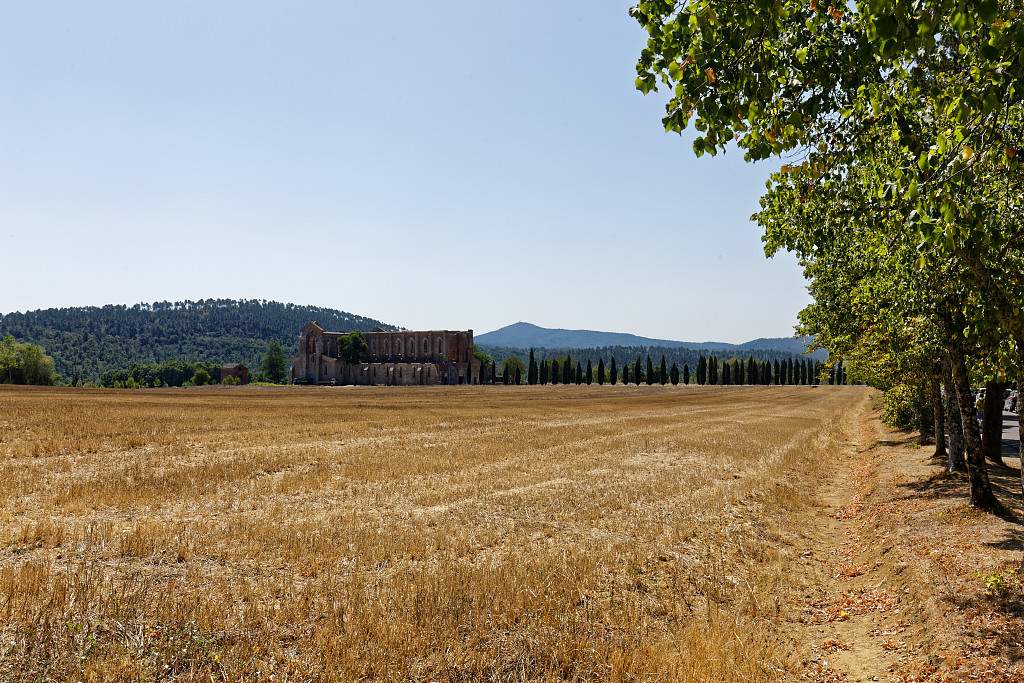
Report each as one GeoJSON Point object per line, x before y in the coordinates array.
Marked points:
{"type": "Point", "coordinates": [393, 358]}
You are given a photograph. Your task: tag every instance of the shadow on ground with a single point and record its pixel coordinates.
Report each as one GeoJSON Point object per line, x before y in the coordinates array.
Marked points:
{"type": "Point", "coordinates": [1003, 597]}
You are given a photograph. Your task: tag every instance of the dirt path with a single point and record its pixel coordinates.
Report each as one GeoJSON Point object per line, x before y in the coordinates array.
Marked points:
{"type": "Point", "coordinates": [888, 594]}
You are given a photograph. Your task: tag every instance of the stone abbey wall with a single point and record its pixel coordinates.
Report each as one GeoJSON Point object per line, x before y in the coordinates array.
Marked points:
{"type": "Point", "coordinates": [402, 358]}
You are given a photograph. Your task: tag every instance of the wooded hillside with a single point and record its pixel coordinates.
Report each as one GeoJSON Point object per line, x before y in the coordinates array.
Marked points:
{"type": "Point", "coordinates": [86, 342]}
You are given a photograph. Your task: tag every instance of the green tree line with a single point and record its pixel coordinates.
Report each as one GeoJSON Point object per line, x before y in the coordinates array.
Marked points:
{"type": "Point", "coordinates": [709, 370]}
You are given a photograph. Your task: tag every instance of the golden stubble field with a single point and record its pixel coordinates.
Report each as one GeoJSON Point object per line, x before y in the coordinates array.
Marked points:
{"type": "Point", "coordinates": [501, 533]}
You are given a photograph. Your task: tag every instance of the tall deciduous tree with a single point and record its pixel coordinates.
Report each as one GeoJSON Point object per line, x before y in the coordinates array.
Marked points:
{"type": "Point", "coordinates": [275, 366]}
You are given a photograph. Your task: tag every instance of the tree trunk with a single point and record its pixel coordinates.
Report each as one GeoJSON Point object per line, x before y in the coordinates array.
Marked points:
{"type": "Point", "coordinates": [992, 422]}
{"type": "Point", "coordinates": [954, 422]}
{"type": "Point", "coordinates": [925, 429]}
{"type": "Point", "coordinates": [981, 487]}
{"type": "Point", "coordinates": [939, 419]}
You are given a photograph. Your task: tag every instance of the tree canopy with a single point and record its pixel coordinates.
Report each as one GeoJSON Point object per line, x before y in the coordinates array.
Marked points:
{"type": "Point", "coordinates": [897, 128]}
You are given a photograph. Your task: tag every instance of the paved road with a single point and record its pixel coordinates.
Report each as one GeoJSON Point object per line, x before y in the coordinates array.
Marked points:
{"type": "Point", "coordinates": [1011, 440]}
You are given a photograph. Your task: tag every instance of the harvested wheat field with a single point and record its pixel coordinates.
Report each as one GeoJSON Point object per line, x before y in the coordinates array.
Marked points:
{"type": "Point", "coordinates": [500, 533]}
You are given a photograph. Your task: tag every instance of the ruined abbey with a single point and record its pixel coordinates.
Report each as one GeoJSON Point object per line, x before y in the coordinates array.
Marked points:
{"type": "Point", "coordinates": [393, 358]}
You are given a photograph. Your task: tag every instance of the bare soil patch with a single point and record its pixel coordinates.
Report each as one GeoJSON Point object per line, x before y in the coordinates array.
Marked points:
{"type": "Point", "coordinates": [903, 580]}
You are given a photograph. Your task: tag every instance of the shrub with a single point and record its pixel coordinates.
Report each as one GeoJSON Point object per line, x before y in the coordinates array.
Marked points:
{"type": "Point", "coordinates": [904, 407]}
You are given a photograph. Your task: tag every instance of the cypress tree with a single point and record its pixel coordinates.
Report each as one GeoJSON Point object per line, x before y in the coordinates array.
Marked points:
{"type": "Point", "coordinates": [713, 370]}
{"type": "Point", "coordinates": [518, 378]}
{"type": "Point", "coordinates": [686, 373]}
{"type": "Point", "coordinates": [650, 372]}
{"type": "Point", "coordinates": [613, 374]}
{"type": "Point", "coordinates": [494, 372]}
{"type": "Point", "coordinates": [625, 373]}
{"type": "Point", "coordinates": [637, 373]}
{"type": "Point", "coordinates": [600, 371]}
{"type": "Point", "coordinates": [555, 371]}
{"type": "Point", "coordinates": [544, 367]}
{"type": "Point", "coordinates": [740, 371]}
{"type": "Point", "coordinates": [776, 377]}
{"type": "Point", "coordinates": [674, 374]}
{"type": "Point", "coordinates": [531, 376]}
{"type": "Point", "coordinates": [805, 376]}
{"type": "Point", "coordinates": [702, 370]}
{"type": "Point", "coordinates": [663, 372]}
{"type": "Point", "coordinates": [725, 374]}
{"type": "Point", "coordinates": [568, 374]}
{"type": "Point", "coordinates": [504, 374]}
{"type": "Point", "coordinates": [579, 373]}
{"type": "Point", "coordinates": [752, 374]}
{"type": "Point", "coordinates": [590, 372]}
{"type": "Point", "coordinates": [832, 375]}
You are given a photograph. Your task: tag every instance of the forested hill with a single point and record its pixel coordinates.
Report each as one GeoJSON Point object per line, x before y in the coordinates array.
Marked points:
{"type": "Point", "coordinates": [85, 342]}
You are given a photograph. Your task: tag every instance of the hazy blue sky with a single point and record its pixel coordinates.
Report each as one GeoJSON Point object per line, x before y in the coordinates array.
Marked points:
{"type": "Point", "coordinates": [447, 164]}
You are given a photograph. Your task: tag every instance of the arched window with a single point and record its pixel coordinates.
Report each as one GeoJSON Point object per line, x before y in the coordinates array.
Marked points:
{"type": "Point", "coordinates": [426, 347]}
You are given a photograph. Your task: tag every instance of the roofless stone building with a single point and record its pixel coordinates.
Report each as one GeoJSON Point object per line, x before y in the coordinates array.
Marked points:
{"type": "Point", "coordinates": [402, 358]}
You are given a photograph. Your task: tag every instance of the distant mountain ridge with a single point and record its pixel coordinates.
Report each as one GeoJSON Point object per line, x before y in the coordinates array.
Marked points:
{"type": "Point", "coordinates": [525, 335]}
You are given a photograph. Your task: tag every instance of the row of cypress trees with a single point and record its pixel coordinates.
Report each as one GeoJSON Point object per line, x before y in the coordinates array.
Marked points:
{"type": "Point", "coordinates": [710, 370]}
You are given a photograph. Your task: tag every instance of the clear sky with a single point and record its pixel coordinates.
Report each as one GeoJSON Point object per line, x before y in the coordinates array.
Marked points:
{"type": "Point", "coordinates": [454, 164]}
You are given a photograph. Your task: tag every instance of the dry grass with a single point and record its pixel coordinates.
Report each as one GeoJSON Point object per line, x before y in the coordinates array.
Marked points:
{"type": "Point", "coordinates": [503, 533]}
